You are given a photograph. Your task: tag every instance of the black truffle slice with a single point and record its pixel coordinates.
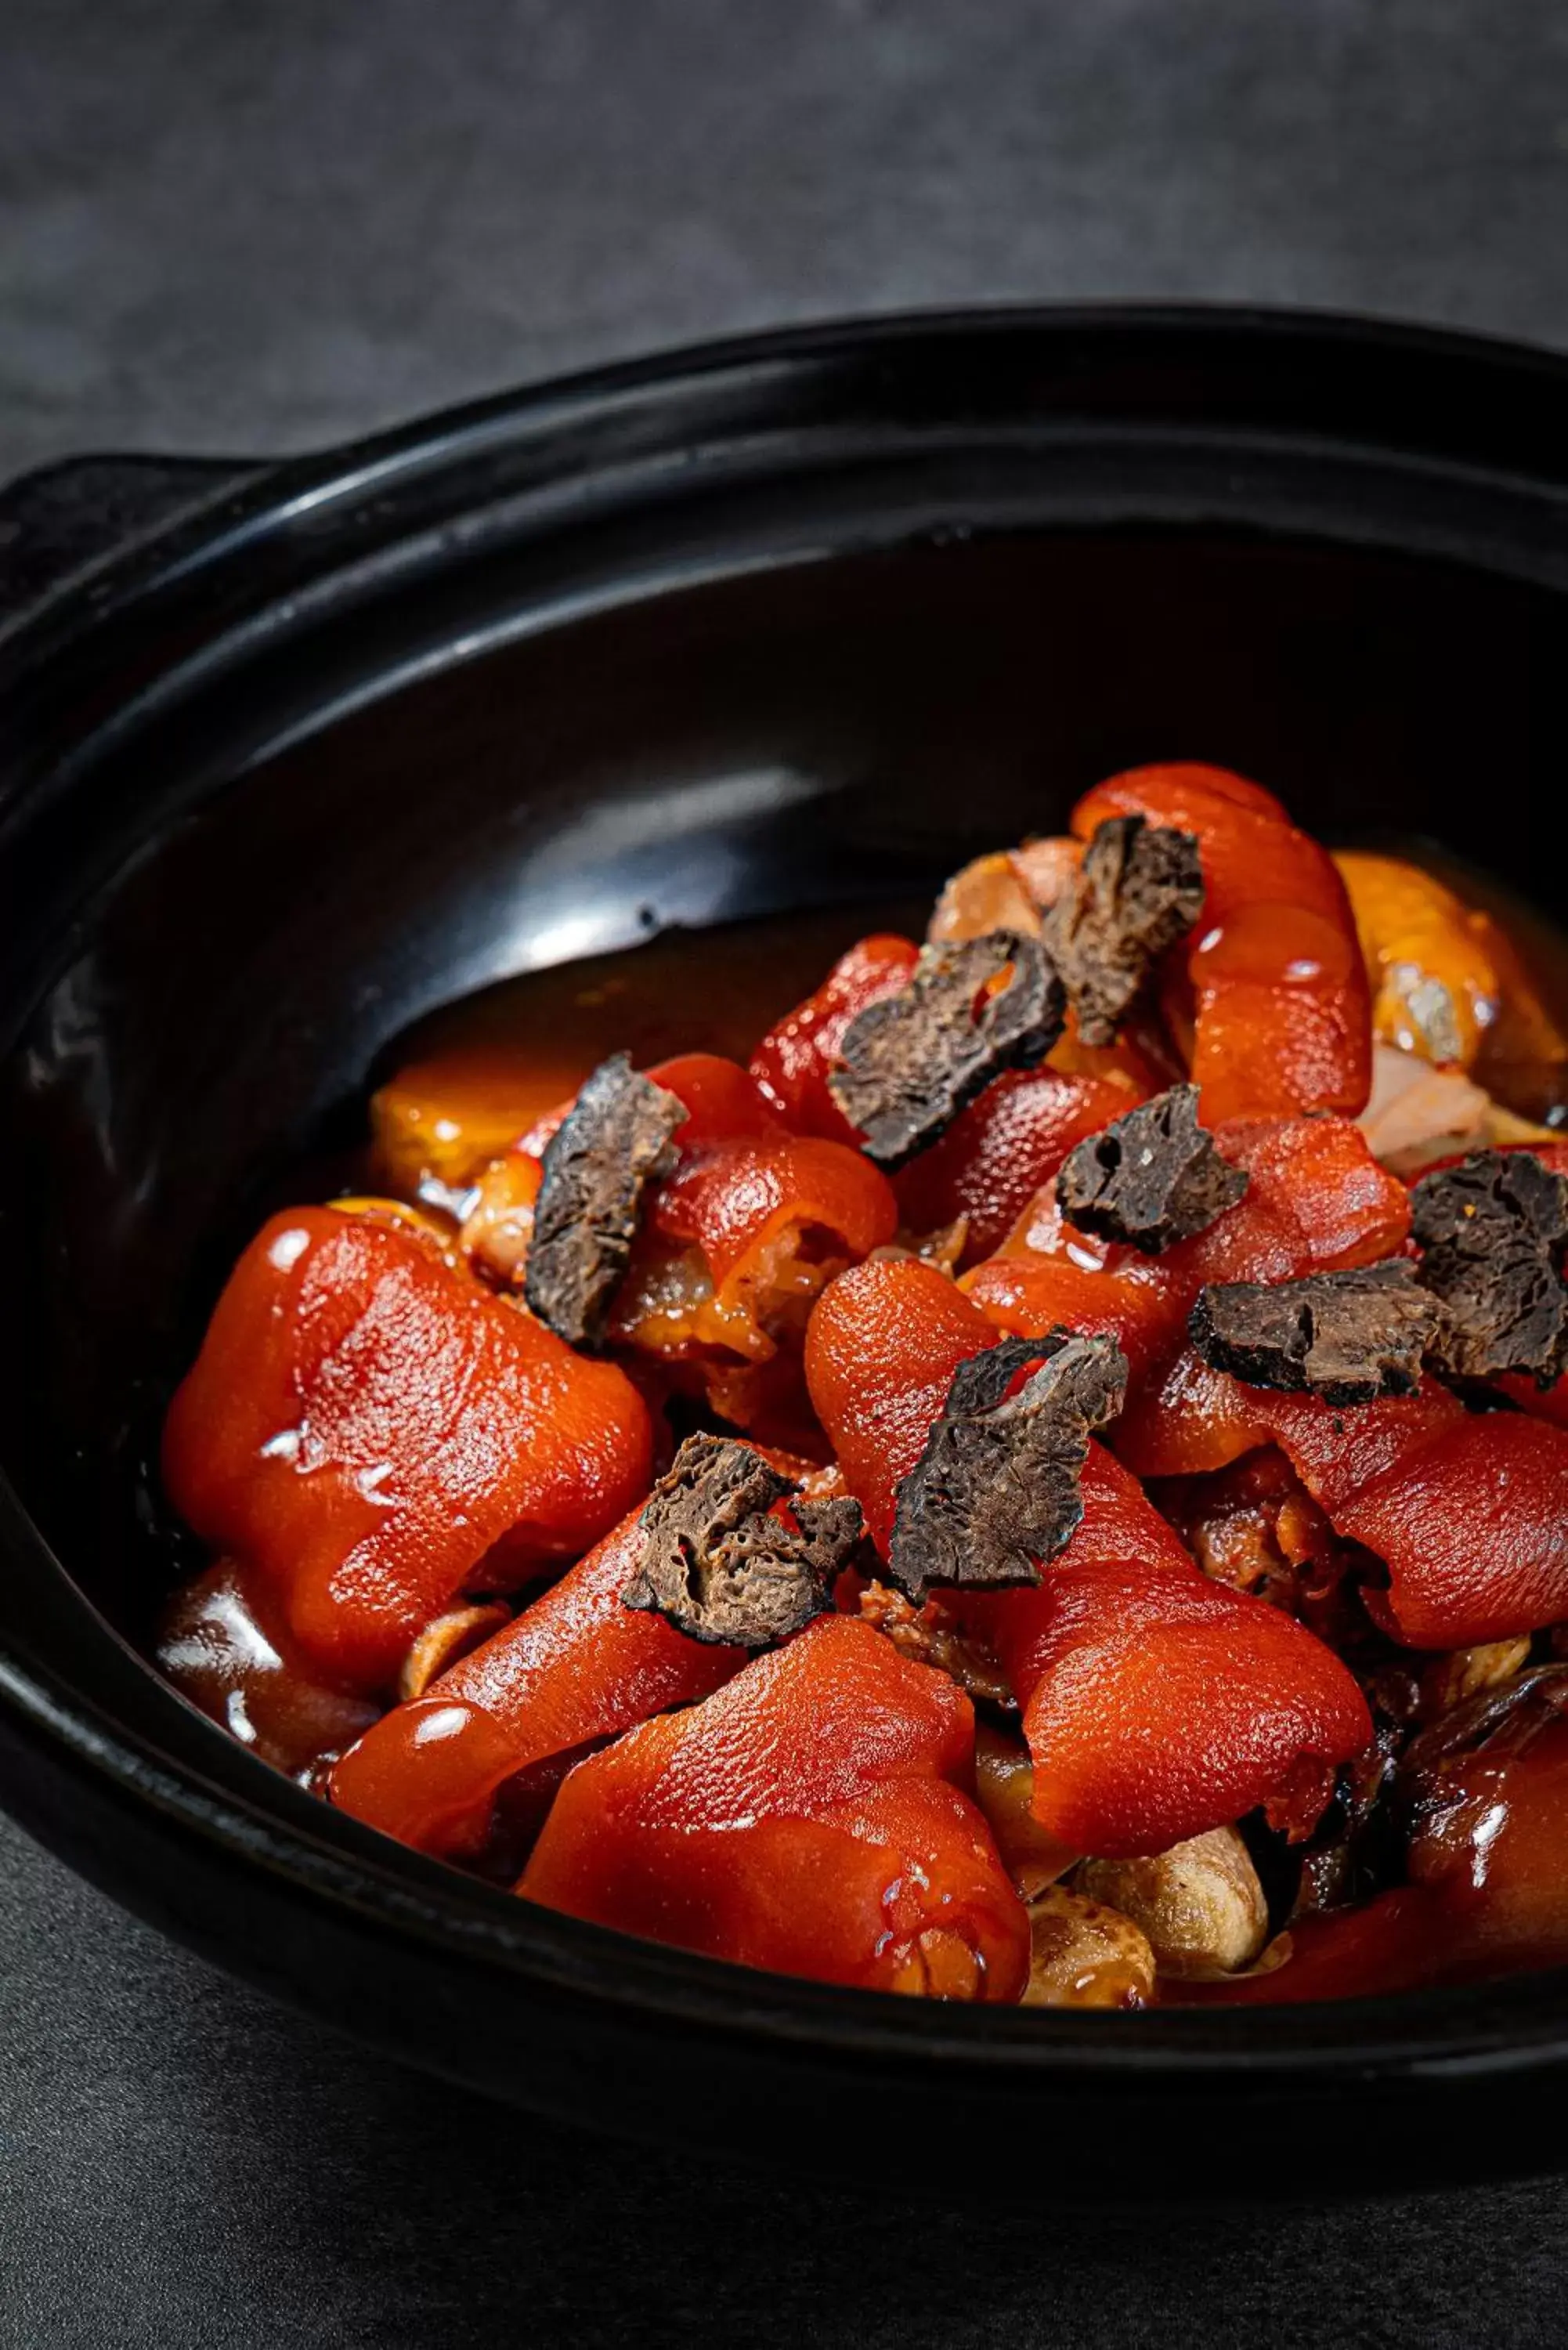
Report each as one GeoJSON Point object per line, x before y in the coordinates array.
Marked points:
{"type": "Point", "coordinates": [1493, 1232]}
{"type": "Point", "coordinates": [615, 1138]}
{"type": "Point", "coordinates": [1139, 889]}
{"type": "Point", "coordinates": [996, 1491]}
{"type": "Point", "coordinates": [1348, 1336]}
{"type": "Point", "coordinates": [1152, 1178]}
{"type": "Point", "coordinates": [719, 1565]}
{"type": "Point", "coordinates": [911, 1063]}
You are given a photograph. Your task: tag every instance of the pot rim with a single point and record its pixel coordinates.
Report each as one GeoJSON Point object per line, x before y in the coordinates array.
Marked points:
{"type": "Point", "coordinates": [277, 490]}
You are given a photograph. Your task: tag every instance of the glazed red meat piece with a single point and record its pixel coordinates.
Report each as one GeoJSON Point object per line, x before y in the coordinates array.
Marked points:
{"type": "Point", "coordinates": [1121, 1629]}
{"type": "Point", "coordinates": [1158, 1704]}
{"type": "Point", "coordinates": [1468, 1512]}
{"type": "Point", "coordinates": [812, 1816]}
{"type": "Point", "coordinates": [723, 1102]}
{"type": "Point", "coordinates": [746, 1204]}
{"type": "Point", "coordinates": [1098, 1287]}
{"type": "Point", "coordinates": [573, 1668]}
{"type": "Point", "coordinates": [1316, 1201]}
{"type": "Point", "coordinates": [880, 1353]}
{"type": "Point", "coordinates": [735, 1245]}
{"type": "Point", "coordinates": [997, 1153]}
{"type": "Point", "coordinates": [1318, 1174]}
{"type": "Point", "coordinates": [371, 1430]}
{"type": "Point", "coordinates": [792, 1061]}
{"type": "Point", "coordinates": [1281, 1007]}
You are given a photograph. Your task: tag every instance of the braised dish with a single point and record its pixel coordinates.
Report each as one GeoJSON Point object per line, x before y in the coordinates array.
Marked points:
{"type": "Point", "coordinates": [1044, 1480]}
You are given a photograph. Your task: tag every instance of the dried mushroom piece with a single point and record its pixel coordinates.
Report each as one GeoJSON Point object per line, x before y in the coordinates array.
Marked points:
{"type": "Point", "coordinates": [912, 1061]}
{"type": "Point", "coordinates": [614, 1141]}
{"type": "Point", "coordinates": [1199, 1903]}
{"type": "Point", "coordinates": [1493, 1232]}
{"type": "Point", "coordinates": [718, 1562]}
{"type": "Point", "coordinates": [995, 1493]}
{"type": "Point", "coordinates": [1083, 1954]}
{"type": "Point", "coordinates": [1347, 1337]}
{"type": "Point", "coordinates": [1138, 890]}
{"type": "Point", "coordinates": [1151, 1177]}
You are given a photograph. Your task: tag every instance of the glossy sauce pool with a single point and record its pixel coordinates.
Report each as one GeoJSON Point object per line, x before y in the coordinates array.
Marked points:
{"type": "Point", "coordinates": [494, 1062]}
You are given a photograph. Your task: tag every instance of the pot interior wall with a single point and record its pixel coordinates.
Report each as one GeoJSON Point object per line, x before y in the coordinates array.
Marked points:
{"type": "Point", "coordinates": [838, 730]}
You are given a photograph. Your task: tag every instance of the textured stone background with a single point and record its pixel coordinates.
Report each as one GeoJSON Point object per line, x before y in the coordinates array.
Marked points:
{"type": "Point", "coordinates": [255, 228]}
{"type": "Point", "coordinates": [251, 230]}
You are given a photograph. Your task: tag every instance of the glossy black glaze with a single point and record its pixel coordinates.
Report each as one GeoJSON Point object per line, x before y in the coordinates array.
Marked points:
{"type": "Point", "coordinates": [809, 617]}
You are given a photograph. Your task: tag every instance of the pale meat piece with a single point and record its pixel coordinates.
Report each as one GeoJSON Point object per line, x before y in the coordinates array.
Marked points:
{"type": "Point", "coordinates": [1008, 889]}
{"type": "Point", "coordinates": [1418, 1115]}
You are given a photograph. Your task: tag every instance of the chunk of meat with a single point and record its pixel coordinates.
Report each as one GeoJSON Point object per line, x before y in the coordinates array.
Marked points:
{"type": "Point", "coordinates": [928, 1635]}
{"type": "Point", "coordinates": [1254, 1526]}
{"type": "Point", "coordinates": [998, 1153]}
{"type": "Point", "coordinates": [812, 1817]}
{"type": "Point", "coordinates": [1435, 989]}
{"type": "Point", "coordinates": [574, 1667]}
{"type": "Point", "coordinates": [1158, 1704]}
{"type": "Point", "coordinates": [1121, 1632]}
{"type": "Point", "coordinates": [373, 1432]}
{"type": "Point", "coordinates": [794, 1060]}
{"type": "Point", "coordinates": [1468, 1512]}
{"type": "Point", "coordinates": [1282, 1010]}
{"type": "Point", "coordinates": [1316, 1201]}
{"type": "Point", "coordinates": [1006, 889]}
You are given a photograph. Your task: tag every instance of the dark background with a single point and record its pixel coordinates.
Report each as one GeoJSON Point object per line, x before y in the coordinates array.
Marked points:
{"type": "Point", "coordinates": [251, 229]}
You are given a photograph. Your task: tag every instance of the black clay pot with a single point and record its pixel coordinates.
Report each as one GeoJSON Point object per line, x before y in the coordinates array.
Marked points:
{"type": "Point", "coordinates": [810, 616]}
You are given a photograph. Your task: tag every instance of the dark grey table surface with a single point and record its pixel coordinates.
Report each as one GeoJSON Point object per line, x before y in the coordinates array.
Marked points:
{"type": "Point", "coordinates": [238, 229]}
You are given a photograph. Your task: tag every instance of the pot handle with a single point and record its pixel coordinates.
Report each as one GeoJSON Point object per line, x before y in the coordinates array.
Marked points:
{"type": "Point", "coordinates": [58, 520]}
